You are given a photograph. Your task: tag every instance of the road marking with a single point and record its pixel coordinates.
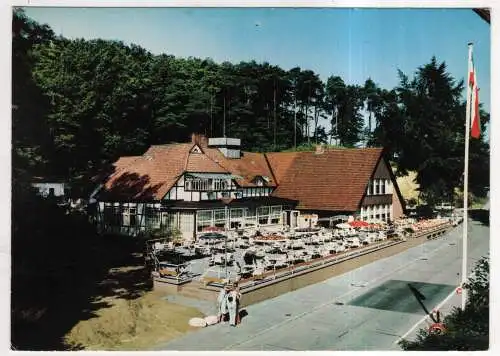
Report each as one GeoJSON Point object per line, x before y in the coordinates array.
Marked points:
{"type": "Point", "coordinates": [332, 301]}
{"type": "Point", "coordinates": [437, 307]}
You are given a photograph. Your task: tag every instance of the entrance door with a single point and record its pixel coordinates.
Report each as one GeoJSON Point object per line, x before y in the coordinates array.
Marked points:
{"type": "Point", "coordinates": [284, 218]}
{"type": "Point", "coordinates": [186, 224]}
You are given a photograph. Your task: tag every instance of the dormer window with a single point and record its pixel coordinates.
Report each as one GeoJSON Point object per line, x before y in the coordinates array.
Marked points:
{"type": "Point", "coordinates": [206, 183]}
{"type": "Point", "coordinates": [196, 149]}
{"type": "Point", "coordinates": [259, 181]}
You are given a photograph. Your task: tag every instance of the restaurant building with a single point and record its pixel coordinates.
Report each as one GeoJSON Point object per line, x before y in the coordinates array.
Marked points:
{"type": "Point", "coordinates": [212, 183]}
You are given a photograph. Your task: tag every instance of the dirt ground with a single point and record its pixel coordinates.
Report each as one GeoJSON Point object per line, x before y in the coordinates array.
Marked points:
{"type": "Point", "coordinates": [134, 324]}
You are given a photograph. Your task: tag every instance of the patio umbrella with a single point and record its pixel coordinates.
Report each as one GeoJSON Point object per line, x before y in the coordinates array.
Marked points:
{"type": "Point", "coordinates": [212, 229]}
{"type": "Point", "coordinates": [212, 236]}
{"type": "Point", "coordinates": [358, 223]}
{"type": "Point", "coordinates": [343, 226]}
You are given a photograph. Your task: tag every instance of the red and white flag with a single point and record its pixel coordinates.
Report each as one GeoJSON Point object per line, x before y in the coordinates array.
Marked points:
{"type": "Point", "coordinates": [475, 128]}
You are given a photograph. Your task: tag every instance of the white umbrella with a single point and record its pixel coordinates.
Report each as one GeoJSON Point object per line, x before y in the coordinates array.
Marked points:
{"type": "Point", "coordinates": [376, 221]}
{"type": "Point", "coordinates": [343, 226]}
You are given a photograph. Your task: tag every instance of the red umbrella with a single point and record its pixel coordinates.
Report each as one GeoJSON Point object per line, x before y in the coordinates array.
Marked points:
{"type": "Point", "coordinates": [359, 223]}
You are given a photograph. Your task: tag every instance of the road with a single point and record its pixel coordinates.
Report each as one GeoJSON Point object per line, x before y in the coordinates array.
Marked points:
{"type": "Point", "coordinates": [369, 308]}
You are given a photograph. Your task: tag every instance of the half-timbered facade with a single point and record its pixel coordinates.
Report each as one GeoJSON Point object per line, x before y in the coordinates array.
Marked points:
{"type": "Point", "coordinates": [190, 187]}
{"type": "Point", "coordinates": [211, 183]}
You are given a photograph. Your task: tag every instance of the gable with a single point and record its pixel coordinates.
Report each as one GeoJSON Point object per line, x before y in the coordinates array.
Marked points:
{"type": "Point", "coordinates": [196, 149]}
{"type": "Point", "coordinates": [381, 171]}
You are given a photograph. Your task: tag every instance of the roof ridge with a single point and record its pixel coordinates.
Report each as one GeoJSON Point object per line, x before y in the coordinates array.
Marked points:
{"type": "Point", "coordinates": [186, 160]}
{"type": "Point", "coordinates": [270, 168]}
{"type": "Point", "coordinates": [217, 163]}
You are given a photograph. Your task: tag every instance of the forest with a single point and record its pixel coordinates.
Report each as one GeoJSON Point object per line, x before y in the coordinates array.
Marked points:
{"type": "Point", "coordinates": [78, 105]}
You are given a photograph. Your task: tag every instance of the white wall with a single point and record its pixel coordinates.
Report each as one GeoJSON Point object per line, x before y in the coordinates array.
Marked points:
{"type": "Point", "coordinates": [44, 188]}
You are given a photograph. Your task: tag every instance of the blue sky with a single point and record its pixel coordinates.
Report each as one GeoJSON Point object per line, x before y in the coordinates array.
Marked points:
{"type": "Point", "coordinates": [353, 43]}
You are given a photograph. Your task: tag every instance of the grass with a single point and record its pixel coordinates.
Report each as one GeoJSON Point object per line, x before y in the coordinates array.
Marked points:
{"type": "Point", "coordinates": [136, 324]}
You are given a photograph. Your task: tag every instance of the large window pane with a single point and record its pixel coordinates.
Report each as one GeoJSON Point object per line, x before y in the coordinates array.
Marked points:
{"type": "Point", "coordinates": [263, 210]}
{"type": "Point", "coordinates": [236, 213]}
{"type": "Point", "coordinates": [276, 210]}
{"type": "Point", "coordinates": [204, 215]}
{"type": "Point", "coordinates": [219, 214]}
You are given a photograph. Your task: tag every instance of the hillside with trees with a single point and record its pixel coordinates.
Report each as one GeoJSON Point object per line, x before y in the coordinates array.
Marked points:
{"type": "Point", "coordinates": [79, 104]}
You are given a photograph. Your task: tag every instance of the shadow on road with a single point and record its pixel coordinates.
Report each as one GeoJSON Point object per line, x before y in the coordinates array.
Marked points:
{"type": "Point", "coordinates": [403, 296]}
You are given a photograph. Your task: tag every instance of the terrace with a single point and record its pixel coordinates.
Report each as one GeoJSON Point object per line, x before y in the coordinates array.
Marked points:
{"type": "Point", "coordinates": [260, 258]}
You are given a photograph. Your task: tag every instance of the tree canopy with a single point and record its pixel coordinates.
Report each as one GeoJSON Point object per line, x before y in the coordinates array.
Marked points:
{"type": "Point", "coordinates": [79, 104]}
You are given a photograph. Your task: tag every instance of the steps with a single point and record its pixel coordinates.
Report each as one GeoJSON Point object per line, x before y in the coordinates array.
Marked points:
{"type": "Point", "coordinates": [196, 290]}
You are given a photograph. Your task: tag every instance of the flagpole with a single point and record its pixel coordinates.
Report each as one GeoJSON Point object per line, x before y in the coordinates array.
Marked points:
{"type": "Point", "coordinates": [466, 180]}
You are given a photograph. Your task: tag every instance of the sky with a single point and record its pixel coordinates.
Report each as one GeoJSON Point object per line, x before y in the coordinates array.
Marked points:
{"type": "Point", "coordinates": [355, 43]}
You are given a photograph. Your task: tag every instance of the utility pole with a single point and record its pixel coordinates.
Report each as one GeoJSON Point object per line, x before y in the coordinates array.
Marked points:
{"type": "Point", "coordinates": [225, 240]}
{"type": "Point", "coordinates": [211, 113]}
{"type": "Point", "coordinates": [307, 114]}
{"type": "Point", "coordinates": [295, 122]}
{"type": "Point", "coordinates": [275, 115]}
{"type": "Point", "coordinates": [224, 117]}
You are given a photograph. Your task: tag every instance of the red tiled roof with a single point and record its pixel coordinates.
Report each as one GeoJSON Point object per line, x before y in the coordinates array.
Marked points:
{"type": "Point", "coordinates": [249, 166]}
{"type": "Point", "coordinates": [335, 180]}
{"type": "Point", "coordinates": [124, 162]}
{"type": "Point", "coordinates": [199, 162]}
{"type": "Point", "coordinates": [150, 176]}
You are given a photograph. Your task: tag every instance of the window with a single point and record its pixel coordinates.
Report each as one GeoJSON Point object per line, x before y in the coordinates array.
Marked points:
{"type": "Point", "coordinates": [167, 220]}
{"type": "Point", "coordinates": [220, 218]}
{"type": "Point", "coordinates": [152, 217]}
{"type": "Point", "coordinates": [204, 218]}
{"type": "Point", "coordinates": [129, 216]}
{"type": "Point", "coordinates": [382, 186]}
{"type": "Point", "coordinates": [196, 149]}
{"type": "Point", "coordinates": [263, 215]}
{"type": "Point", "coordinates": [276, 214]}
{"type": "Point", "coordinates": [370, 187]}
{"type": "Point", "coordinates": [236, 213]}
{"type": "Point", "coordinates": [251, 217]}
{"type": "Point", "coordinates": [263, 210]}
{"type": "Point", "coordinates": [375, 189]}
{"type": "Point", "coordinates": [389, 186]}
{"type": "Point", "coordinates": [220, 184]}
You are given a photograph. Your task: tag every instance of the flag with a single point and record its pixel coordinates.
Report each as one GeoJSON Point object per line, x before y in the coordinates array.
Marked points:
{"type": "Point", "coordinates": [474, 102]}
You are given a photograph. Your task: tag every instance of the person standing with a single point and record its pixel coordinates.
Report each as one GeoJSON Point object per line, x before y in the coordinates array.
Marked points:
{"type": "Point", "coordinates": [233, 303]}
{"type": "Point", "coordinates": [222, 303]}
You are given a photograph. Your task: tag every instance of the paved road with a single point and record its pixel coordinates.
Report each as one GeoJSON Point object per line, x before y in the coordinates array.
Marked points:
{"type": "Point", "coordinates": [369, 308]}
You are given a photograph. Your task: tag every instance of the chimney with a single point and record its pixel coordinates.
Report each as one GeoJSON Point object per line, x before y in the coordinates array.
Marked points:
{"type": "Point", "coordinates": [199, 139]}
{"type": "Point", "coordinates": [229, 147]}
{"type": "Point", "coordinates": [320, 149]}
